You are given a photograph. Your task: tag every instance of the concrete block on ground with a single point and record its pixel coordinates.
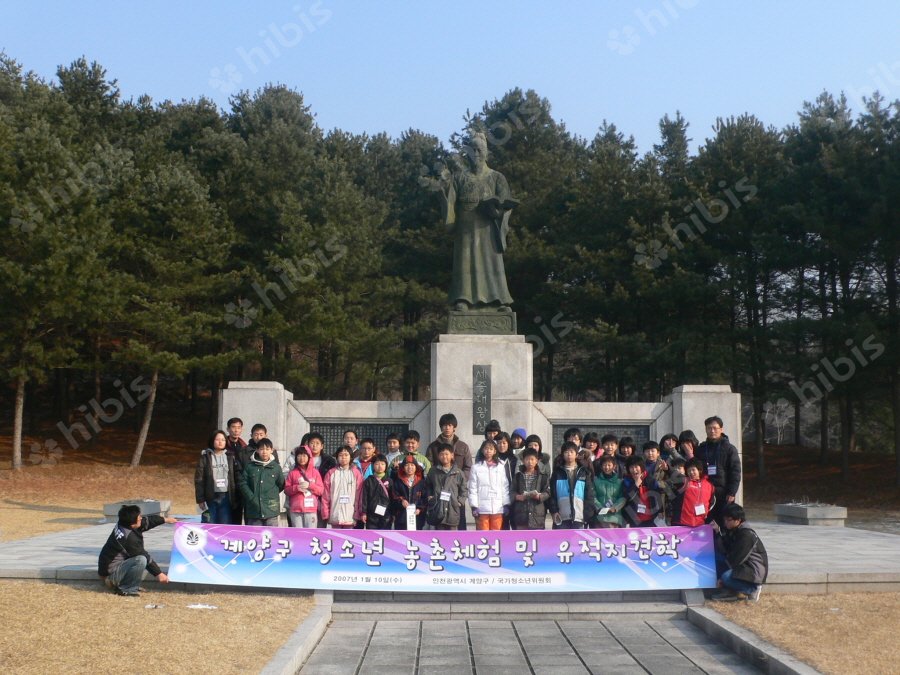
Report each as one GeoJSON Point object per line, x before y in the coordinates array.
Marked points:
{"type": "Point", "coordinates": [149, 507]}
{"type": "Point", "coordinates": [811, 514]}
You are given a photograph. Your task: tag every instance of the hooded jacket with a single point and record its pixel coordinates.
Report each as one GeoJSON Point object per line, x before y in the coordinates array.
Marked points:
{"type": "Point", "coordinates": [261, 484]}
{"type": "Point", "coordinates": [304, 501]}
{"type": "Point", "coordinates": [608, 494]}
{"type": "Point", "coordinates": [745, 554]}
{"type": "Point", "coordinates": [489, 487]}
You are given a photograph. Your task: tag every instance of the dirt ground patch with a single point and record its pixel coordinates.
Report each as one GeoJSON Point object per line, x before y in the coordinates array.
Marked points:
{"type": "Point", "coordinates": [70, 489]}
{"type": "Point", "coordinates": [82, 628]}
{"type": "Point", "coordinates": [842, 633]}
{"type": "Point", "coordinates": [40, 501]}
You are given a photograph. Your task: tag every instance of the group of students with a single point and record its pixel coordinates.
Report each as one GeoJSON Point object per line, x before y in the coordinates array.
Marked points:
{"type": "Point", "coordinates": [511, 484]}
{"type": "Point", "coordinates": [594, 482]}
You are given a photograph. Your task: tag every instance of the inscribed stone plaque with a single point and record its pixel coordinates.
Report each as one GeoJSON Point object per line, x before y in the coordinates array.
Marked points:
{"type": "Point", "coordinates": [639, 432]}
{"type": "Point", "coordinates": [481, 398]}
{"type": "Point", "coordinates": [481, 323]}
{"type": "Point", "coordinates": [333, 432]}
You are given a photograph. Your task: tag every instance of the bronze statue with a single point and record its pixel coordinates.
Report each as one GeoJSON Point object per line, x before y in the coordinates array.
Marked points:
{"type": "Point", "coordinates": [476, 205]}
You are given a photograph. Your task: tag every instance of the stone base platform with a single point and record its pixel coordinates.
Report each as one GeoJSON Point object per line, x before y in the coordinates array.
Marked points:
{"type": "Point", "coordinates": [826, 515]}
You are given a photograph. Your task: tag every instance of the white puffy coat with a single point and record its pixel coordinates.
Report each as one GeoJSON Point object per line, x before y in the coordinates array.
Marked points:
{"type": "Point", "coordinates": [489, 487]}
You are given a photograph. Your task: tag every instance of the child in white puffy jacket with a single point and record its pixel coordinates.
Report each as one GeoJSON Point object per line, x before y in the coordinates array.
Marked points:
{"type": "Point", "coordinates": [489, 488]}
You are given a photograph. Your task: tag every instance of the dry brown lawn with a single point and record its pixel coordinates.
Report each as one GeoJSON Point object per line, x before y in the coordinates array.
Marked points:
{"type": "Point", "coordinates": [82, 628]}
{"type": "Point", "coordinates": [842, 633]}
{"type": "Point", "coordinates": [70, 491]}
{"type": "Point", "coordinates": [39, 500]}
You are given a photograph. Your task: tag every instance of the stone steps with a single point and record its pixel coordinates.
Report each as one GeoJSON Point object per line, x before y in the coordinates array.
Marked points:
{"type": "Point", "coordinates": [509, 606]}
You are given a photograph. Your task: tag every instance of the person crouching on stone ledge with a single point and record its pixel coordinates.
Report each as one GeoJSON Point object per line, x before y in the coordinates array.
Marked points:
{"type": "Point", "coordinates": [123, 557]}
{"type": "Point", "coordinates": [748, 562]}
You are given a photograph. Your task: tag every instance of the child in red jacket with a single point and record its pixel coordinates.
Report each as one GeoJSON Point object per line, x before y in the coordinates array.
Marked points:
{"type": "Point", "coordinates": [695, 499]}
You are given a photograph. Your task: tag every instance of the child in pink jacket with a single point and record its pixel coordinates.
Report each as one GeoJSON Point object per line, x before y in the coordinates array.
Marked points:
{"type": "Point", "coordinates": [303, 487]}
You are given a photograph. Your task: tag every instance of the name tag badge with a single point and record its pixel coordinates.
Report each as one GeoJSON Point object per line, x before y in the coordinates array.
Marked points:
{"type": "Point", "coordinates": [380, 510]}
{"type": "Point", "coordinates": [344, 499]}
{"type": "Point", "coordinates": [221, 484]}
{"type": "Point", "coordinates": [411, 517]}
{"type": "Point", "coordinates": [641, 509]}
{"type": "Point", "coordinates": [445, 496]}
{"type": "Point", "coordinates": [608, 504]}
{"type": "Point", "coordinates": [712, 470]}
{"type": "Point", "coordinates": [309, 501]}
{"type": "Point", "coordinates": [700, 509]}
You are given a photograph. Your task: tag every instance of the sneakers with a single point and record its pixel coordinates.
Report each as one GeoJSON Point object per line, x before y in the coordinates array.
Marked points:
{"type": "Point", "coordinates": [723, 594]}
{"type": "Point", "coordinates": [128, 594]}
{"type": "Point", "coordinates": [738, 597]}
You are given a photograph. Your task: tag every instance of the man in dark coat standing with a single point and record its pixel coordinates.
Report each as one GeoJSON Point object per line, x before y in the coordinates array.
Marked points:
{"type": "Point", "coordinates": [723, 465]}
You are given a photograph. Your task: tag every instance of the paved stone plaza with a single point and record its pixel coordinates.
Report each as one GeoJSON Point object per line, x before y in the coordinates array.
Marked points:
{"type": "Point", "coordinates": [516, 647]}
{"type": "Point", "coordinates": [803, 559]}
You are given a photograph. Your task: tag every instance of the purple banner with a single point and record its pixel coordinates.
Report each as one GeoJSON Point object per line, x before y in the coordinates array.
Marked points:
{"type": "Point", "coordinates": [653, 558]}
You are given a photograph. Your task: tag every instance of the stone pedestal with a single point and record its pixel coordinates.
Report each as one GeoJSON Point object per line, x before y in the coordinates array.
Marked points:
{"type": "Point", "coordinates": [453, 358]}
{"type": "Point", "coordinates": [811, 514]}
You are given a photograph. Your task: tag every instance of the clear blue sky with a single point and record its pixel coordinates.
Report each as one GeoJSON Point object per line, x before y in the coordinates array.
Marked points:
{"type": "Point", "coordinates": [389, 66]}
